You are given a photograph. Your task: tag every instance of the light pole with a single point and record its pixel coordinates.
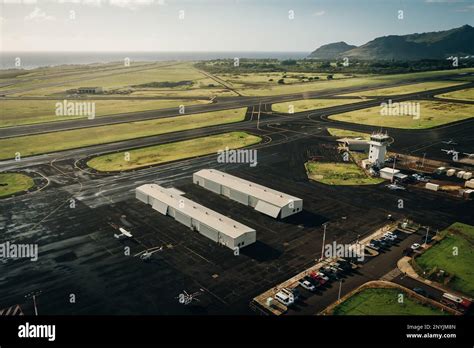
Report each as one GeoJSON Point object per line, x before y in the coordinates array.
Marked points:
{"type": "Point", "coordinates": [324, 240]}
{"type": "Point", "coordinates": [33, 295]}
{"type": "Point", "coordinates": [340, 287]}
{"type": "Point", "coordinates": [426, 237]}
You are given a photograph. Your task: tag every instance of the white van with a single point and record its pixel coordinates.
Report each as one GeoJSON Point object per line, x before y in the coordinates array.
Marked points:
{"type": "Point", "coordinates": [285, 298]}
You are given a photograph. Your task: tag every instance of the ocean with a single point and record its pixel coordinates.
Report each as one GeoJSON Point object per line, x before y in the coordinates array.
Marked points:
{"type": "Point", "coordinates": [31, 60]}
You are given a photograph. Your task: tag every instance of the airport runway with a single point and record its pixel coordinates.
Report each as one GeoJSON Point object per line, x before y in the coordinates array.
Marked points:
{"type": "Point", "coordinates": [224, 104]}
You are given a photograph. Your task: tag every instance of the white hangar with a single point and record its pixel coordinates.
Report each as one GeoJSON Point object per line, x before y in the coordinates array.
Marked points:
{"type": "Point", "coordinates": [209, 223]}
{"type": "Point", "coordinates": [263, 199]}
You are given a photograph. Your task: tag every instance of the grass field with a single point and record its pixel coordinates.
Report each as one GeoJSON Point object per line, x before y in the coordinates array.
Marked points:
{"type": "Point", "coordinates": [158, 154]}
{"type": "Point", "coordinates": [383, 302]}
{"type": "Point", "coordinates": [11, 183]}
{"type": "Point", "coordinates": [310, 104]}
{"type": "Point", "coordinates": [128, 80]}
{"type": "Point", "coordinates": [462, 94]}
{"type": "Point", "coordinates": [432, 113]}
{"type": "Point", "coordinates": [406, 89]}
{"type": "Point", "coordinates": [272, 88]}
{"type": "Point", "coordinates": [441, 256]}
{"type": "Point", "coordinates": [18, 112]}
{"type": "Point", "coordinates": [330, 173]}
{"type": "Point", "coordinates": [347, 133]}
{"type": "Point", "coordinates": [57, 141]}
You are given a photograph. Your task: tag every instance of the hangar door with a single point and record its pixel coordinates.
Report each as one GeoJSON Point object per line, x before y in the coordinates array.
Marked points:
{"type": "Point", "coordinates": [267, 208]}
{"type": "Point", "coordinates": [184, 219]}
{"type": "Point", "coordinates": [212, 186]}
{"type": "Point", "coordinates": [160, 206]}
{"type": "Point", "coordinates": [209, 232]}
{"type": "Point", "coordinates": [239, 196]}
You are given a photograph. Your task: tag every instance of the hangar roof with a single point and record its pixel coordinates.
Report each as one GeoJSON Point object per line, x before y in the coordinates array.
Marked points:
{"type": "Point", "coordinates": [263, 193]}
{"type": "Point", "coordinates": [196, 211]}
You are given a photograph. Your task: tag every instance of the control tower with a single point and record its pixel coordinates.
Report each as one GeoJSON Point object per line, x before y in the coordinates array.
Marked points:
{"type": "Point", "coordinates": [378, 147]}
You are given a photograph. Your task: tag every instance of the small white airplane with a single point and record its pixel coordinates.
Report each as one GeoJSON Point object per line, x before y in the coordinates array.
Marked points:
{"type": "Point", "coordinates": [123, 233]}
{"type": "Point", "coordinates": [469, 155]}
{"type": "Point", "coordinates": [450, 152]}
{"type": "Point", "coordinates": [147, 253]}
{"type": "Point", "coordinates": [450, 142]}
{"type": "Point", "coordinates": [185, 298]}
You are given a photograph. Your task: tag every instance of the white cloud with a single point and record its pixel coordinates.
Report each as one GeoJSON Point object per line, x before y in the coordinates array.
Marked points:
{"type": "Point", "coordinates": [39, 16]}
{"type": "Point", "coordinates": [468, 8]}
{"type": "Point", "coordinates": [319, 13]}
{"type": "Point", "coordinates": [443, 1]}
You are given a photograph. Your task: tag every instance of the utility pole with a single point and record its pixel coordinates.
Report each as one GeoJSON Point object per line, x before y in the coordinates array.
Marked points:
{"type": "Point", "coordinates": [324, 240]}
{"type": "Point", "coordinates": [33, 295]}
{"type": "Point", "coordinates": [258, 115]}
{"type": "Point", "coordinates": [423, 162]}
{"type": "Point", "coordinates": [340, 287]}
{"type": "Point", "coordinates": [393, 169]}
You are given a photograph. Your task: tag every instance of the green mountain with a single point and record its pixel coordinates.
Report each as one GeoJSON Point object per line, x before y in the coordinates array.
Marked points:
{"type": "Point", "coordinates": [433, 45]}
{"type": "Point", "coordinates": [331, 51]}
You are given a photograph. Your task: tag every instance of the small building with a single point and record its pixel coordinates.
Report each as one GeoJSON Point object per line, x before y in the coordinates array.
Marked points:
{"type": "Point", "coordinates": [90, 90]}
{"type": "Point", "coordinates": [217, 227]}
{"type": "Point", "coordinates": [388, 173]}
{"type": "Point", "coordinates": [354, 144]}
{"type": "Point", "coordinates": [431, 186]}
{"type": "Point", "coordinates": [265, 200]}
{"type": "Point", "coordinates": [450, 172]}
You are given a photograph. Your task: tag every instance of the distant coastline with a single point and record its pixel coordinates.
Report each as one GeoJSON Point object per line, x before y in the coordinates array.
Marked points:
{"type": "Point", "coordinates": [31, 60]}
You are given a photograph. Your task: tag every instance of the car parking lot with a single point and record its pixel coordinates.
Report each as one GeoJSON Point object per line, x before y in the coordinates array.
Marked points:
{"type": "Point", "coordinates": [377, 267]}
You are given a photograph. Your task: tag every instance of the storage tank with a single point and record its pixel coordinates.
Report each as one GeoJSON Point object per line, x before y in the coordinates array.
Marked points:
{"type": "Point", "coordinates": [451, 172]}
{"type": "Point", "coordinates": [460, 174]}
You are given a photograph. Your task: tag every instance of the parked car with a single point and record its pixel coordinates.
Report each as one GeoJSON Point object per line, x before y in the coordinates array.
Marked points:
{"type": "Point", "coordinates": [306, 284]}
{"type": "Point", "coordinates": [328, 272]}
{"type": "Point", "coordinates": [415, 246]}
{"type": "Point", "coordinates": [390, 235]}
{"type": "Point", "coordinates": [344, 265]}
{"type": "Point", "coordinates": [374, 246]}
{"type": "Point", "coordinates": [319, 277]}
{"type": "Point", "coordinates": [336, 267]}
{"type": "Point", "coordinates": [295, 292]}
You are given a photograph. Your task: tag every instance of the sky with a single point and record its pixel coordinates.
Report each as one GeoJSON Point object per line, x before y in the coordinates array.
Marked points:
{"type": "Point", "coordinates": [217, 25]}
